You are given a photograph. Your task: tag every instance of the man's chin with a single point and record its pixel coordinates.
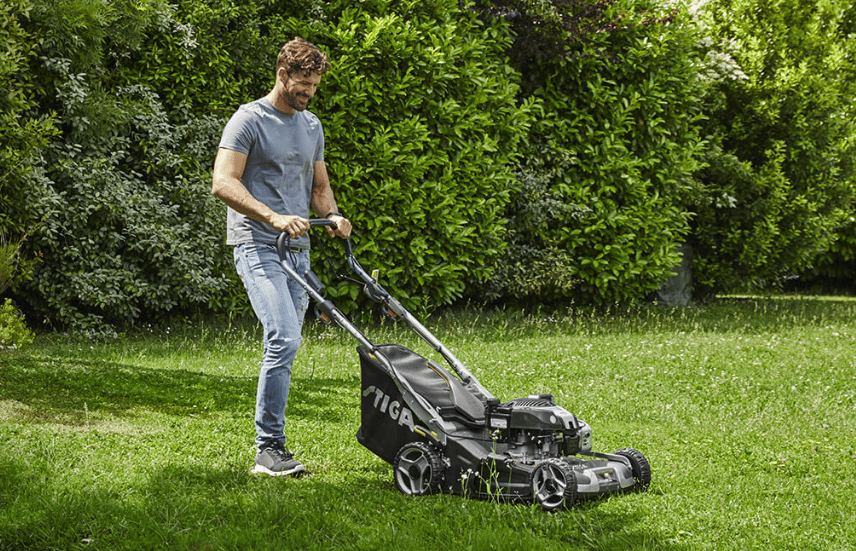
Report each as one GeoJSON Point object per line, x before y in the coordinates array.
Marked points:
{"type": "Point", "coordinates": [296, 103]}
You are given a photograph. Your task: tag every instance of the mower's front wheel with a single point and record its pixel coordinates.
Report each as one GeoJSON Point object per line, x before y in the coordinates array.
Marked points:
{"type": "Point", "coordinates": [554, 484]}
{"type": "Point", "coordinates": [641, 469]}
{"type": "Point", "coordinates": [418, 469]}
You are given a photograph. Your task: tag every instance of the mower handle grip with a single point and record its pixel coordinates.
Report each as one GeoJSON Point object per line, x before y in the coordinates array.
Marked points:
{"type": "Point", "coordinates": [283, 236]}
{"type": "Point", "coordinates": [348, 246]}
{"type": "Point", "coordinates": [322, 222]}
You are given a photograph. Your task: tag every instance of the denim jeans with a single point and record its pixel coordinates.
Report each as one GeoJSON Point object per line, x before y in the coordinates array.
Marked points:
{"type": "Point", "coordinates": [280, 304]}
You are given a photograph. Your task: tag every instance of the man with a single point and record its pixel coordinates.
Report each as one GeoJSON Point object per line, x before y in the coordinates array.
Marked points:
{"type": "Point", "coordinates": [270, 172]}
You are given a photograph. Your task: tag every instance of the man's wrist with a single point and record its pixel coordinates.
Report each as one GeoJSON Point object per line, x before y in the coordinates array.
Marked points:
{"type": "Point", "coordinates": [334, 213]}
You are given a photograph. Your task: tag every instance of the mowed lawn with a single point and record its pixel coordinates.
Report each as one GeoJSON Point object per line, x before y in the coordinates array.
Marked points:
{"type": "Point", "coordinates": [745, 408]}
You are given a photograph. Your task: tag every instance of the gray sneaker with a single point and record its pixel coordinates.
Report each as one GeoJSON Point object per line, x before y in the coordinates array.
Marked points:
{"type": "Point", "coordinates": [275, 460]}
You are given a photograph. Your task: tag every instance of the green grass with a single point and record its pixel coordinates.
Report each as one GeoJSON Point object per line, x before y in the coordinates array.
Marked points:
{"type": "Point", "coordinates": [745, 408]}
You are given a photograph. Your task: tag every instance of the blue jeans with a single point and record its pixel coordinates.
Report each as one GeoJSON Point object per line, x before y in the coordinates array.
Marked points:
{"type": "Point", "coordinates": [280, 304]}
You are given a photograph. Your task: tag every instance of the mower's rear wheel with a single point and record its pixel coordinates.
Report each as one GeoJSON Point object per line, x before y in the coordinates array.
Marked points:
{"type": "Point", "coordinates": [418, 469]}
{"type": "Point", "coordinates": [554, 485]}
{"type": "Point", "coordinates": [640, 466]}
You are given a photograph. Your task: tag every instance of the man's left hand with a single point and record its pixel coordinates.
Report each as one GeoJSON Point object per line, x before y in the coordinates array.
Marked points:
{"type": "Point", "coordinates": [343, 227]}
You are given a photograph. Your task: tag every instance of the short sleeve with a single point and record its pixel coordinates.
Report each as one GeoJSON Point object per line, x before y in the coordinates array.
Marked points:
{"type": "Point", "coordinates": [239, 133]}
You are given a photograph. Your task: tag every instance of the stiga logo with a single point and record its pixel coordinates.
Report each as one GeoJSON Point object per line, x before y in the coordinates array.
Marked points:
{"type": "Point", "coordinates": [396, 411]}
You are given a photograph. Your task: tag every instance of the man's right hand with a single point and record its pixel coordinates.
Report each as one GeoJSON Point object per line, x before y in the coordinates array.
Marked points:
{"type": "Point", "coordinates": [294, 225]}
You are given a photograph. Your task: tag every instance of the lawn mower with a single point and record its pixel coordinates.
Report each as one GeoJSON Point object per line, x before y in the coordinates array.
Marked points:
{"type": "Point", "coordinates": [443, 431]}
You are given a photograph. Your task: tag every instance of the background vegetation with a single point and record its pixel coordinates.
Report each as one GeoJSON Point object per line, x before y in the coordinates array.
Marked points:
{"type": "Point", "coordinates": [424, 123]}
{"type": "Point", "coordinates": [779, 177]}
{"type": "Point", "coordinates": [518, 150]}
{"type": "Point", "coordinates": [608, 168]}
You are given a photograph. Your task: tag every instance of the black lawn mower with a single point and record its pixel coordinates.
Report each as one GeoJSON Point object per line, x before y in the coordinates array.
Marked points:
{"type": "Point", "coordinates": [445, 432]}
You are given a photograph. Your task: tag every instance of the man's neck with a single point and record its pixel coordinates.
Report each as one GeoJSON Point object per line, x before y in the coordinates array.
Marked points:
{"type": "Point", "coordinates": [275, 98]}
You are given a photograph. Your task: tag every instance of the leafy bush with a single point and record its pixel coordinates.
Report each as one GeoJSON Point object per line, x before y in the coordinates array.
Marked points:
{"type": "Point", "coordinates": [601, 210]}
{"type": "Point", "coordinates": [779, 101]}
{"type": "Point", "coordinates": [9, 260]}
{"type": "Point", "coordinates": [834, 269]}
{"type": "Point", "coordinates": [421, 123]}
{"type": "Point", "coordinates": [127, 233]}
{"type": "Point", "coordinates": [577, 161]}
{"type": "Point", "coordinates": [422, 126]}
{"type": "Point", "coordinates": [22, 137]}
{"type": "Point", "coordinates": [534, 268]}
{"type": "Point", "coordinates": [13, 331]}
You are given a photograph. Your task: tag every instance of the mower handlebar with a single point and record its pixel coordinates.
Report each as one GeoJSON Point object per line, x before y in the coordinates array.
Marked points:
{"type": "Point", "coordinates": [322, 222]}
{"type": "Point", "coordinates": [283, 237]}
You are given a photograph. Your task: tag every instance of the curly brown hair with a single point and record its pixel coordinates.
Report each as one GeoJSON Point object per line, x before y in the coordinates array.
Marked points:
{"type": "Point", "coordinates": [300, 56]}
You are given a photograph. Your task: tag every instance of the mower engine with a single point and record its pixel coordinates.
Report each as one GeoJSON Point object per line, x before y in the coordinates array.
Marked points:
{"type": "Point", "coordinates": [536, 428]}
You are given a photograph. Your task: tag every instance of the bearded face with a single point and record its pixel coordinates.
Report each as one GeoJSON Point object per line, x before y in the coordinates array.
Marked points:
{"type": "Point", "coordinates": [299, 88]}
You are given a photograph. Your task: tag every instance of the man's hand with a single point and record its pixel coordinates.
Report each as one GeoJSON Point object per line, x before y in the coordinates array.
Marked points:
{"type": "Point", "coordinates": [294, 225]}
{"type": "Point", "coordinates": [343, 227]}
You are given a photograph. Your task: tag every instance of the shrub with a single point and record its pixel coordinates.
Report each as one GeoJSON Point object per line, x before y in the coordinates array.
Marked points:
{"type": "Point", "coordinates": [422, 127]}
{"type": "Point", "coordinates": [779, 104]}
{"type": "Point", "coordinates": [8, 261]}
{"type": "Point", "coordinates": [421, 123]}
{"type": "Point", "coordinates": [13, 331]}
{"type": "Point", "coordinates": [601, 209]}
{"type": "Point", "coordinates": [834, 269]}
{"type": "Point", "coordinates": [22, 135]}
{"type": "Point", "coordinates": [127, 233]}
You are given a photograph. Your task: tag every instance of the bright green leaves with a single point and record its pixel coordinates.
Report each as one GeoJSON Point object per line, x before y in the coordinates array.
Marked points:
{"type": "Point", "coordinates": [127, 229]}
{"type": "Point", "coordinates": [587, 178]}
{"type": "Point", "coordinates": [599, 214]}
{"type": "Point", "coordinates": [422, 126]}
{"type": "Point", "coordinates": [780, 180]}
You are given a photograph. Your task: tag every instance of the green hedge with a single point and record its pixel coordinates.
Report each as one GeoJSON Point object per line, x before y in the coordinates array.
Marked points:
{"type": "Point", "coordinates": [422, 130]}
{"type": "Point", "coordinates": [835, 269]}
{"type": "Point", "coordinates": [780, 179]}
{"type": "Point", "coordinates": [566, 162]}
{"type": "Point", "coordinates": [602, 204]}
{"type": "Point", "coordinates": [22, 137]}
{"type": "Point", "coordinates": [130, 232]}
{"type": "Point", "coordinates": [421, 119]}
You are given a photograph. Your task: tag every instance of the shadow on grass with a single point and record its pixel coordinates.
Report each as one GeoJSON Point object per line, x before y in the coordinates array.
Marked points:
{"type": "Point", "coordinates": [66, 391]}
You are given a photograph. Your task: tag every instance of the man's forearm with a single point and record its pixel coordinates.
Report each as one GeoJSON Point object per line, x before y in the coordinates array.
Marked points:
{"type": "Point", "coordinates": [239, 199]}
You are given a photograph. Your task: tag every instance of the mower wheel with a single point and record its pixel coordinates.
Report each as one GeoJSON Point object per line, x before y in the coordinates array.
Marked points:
{"type": "Point", "coordinates": [418, 469]}
{"type": "Point", "coordinates": [640, 466]}
{"type": "Point", "coordinates": [554, 484]}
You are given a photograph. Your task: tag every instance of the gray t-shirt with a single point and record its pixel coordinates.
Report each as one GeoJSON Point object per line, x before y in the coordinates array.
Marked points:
{"type": "Point", "coordinates": [281, 153]}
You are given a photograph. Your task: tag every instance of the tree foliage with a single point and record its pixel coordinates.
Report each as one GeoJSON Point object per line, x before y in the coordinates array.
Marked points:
{"type": "Point", "coordinates": [423, 127]}
{"type": "Point", "coordinates": [129, 227]}
{"type": "Point", "coordinates": [421, 120]}
{"type": "Point", "coordinates": [543, 149]}
{"type": "Point", "coordinates": [780, 180]}
{"type": "Point", "coordinates": [601, 207]}
{"type": "Point", "coordinates": [23, 134]}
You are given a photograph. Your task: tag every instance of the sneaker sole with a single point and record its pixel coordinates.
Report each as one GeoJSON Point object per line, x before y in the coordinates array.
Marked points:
{"type": "Point", "coordinates": [296, 471]}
